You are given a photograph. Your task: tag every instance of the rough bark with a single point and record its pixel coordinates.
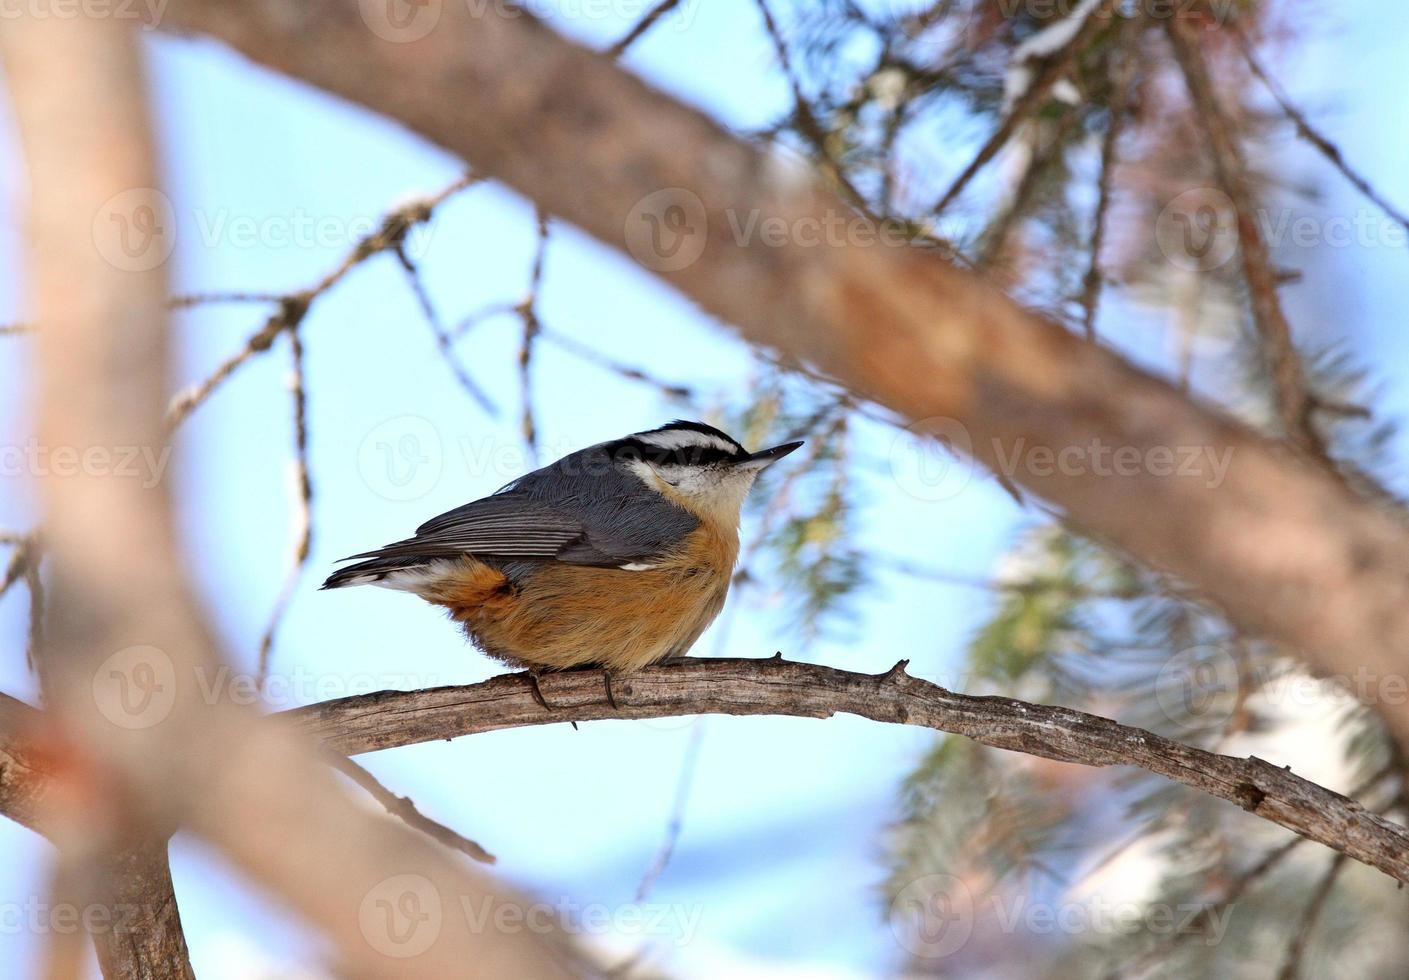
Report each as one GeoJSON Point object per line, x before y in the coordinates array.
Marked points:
{"type": "Point", "coordinates": [778, 687]}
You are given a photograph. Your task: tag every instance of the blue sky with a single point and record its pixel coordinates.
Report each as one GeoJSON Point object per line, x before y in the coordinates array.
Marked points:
{"type": "Point", "coordinates": [779, 852]}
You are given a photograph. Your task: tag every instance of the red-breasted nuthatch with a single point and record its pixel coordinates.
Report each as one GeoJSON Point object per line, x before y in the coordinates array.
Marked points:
{"type": "Point", "coordinates": [616, 556]}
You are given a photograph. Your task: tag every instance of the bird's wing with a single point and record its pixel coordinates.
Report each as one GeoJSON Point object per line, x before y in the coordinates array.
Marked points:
{"type": "Point", "coordinates": [510, 526]}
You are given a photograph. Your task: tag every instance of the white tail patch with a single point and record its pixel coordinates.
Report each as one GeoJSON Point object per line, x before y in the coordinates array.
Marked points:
{"type": "Point", "coordinates": [414, 580]}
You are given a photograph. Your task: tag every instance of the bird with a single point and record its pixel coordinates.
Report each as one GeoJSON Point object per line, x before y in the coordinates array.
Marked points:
{"type": "Point", "coordinates": [615, 557]}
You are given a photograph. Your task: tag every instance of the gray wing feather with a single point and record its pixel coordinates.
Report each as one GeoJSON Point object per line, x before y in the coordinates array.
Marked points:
{"type": "Point", "coordinates": [579, 510]}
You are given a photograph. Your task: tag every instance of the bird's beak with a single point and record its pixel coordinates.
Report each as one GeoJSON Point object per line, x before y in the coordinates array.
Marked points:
{"type": "Point", "coordinates": [767, 457]}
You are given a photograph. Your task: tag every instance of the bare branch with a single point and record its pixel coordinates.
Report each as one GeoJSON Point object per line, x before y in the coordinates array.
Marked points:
{"type": "Point", "coordinates": [443, 341]}
{"type": "Point", "coordinates": [1121, 80]}
{"type": "Point", "coordinates": [647, 21]}
{"type": "Point", "coordinates": [1301, 932]}
{"type": "Point", "coordinates": [1313, 135]}
{"type": "Point", "coordinates": [293, 307]}
{"type": "Point", "coordinates": [145, 940]}
{"type": "Point", "coordinates": [527, 310]}
{"type": "Point", "coordinates": [404, 809]}
{"type": "Point", "coordinates": [778, 687]}
{"type": "Point", "coordinates": [1293, 402]}
{"type": "Point", "coordinates": [302, 505]}
{"type": "Point", "coordinates": [1031, 100]}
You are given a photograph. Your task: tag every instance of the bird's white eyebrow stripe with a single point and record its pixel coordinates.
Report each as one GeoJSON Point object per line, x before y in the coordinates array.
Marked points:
{"type": "Point", "coordinates": [686, 438]}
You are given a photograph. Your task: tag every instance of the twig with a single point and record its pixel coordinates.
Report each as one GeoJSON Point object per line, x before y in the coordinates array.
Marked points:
{"type": "Point", "coordinates": [1232, 893]}
{"type": "Point", "coordinates": [293, 307]}
{"type": "Point", "coordinates": [208, 299]}
{"type": "Point", "coordinates": [34, 581]}
{"type": "Point", "coordinates": [1288, 381]}
{"type": "Point", "coordinates": [807, 123]}
{"type": "Point", "coordinates": [1051, 72]}
{"type": "Point", "coordinates": [19, 560]}
{"type": "Point", "coordinates": [1291, 967]}
{"type": "Point", "coordinates": [24, 563]}
{"type": "Point", "coordinates": [683, 784]}
{"type": "Point", "coordinates": [302, 506]}
{"type": "Point", "coordinates": [778, 687]}
{"type": "Point", "coordinates": [641, 27]}
{"type": "Point", "coordinates": [1122, 77]}
{"type": "Point", "coordinates": [405, 810]}
{"type": "Point", "coordinates": [443, 341]}
{"type": "Point", "coordinates": [594, 356]}
{"type": "Point", "coordinates": [1312, 135]}
{"type": "Point", "coordinates": [1040, 159]}
{"type": "Point", "coordinates": [527, 310]}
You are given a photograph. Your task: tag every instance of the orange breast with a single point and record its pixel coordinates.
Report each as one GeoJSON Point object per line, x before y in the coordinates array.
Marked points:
{"type": "Point", "coordinates": [565, 615]}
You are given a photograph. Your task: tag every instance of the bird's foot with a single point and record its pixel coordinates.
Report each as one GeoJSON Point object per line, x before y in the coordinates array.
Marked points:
{"type": "Point", "coordinates": [531, 676]}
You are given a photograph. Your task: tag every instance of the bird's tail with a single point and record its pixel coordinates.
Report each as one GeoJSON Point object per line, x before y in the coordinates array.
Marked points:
{"type": "Point", "coordinates": [391, 572]}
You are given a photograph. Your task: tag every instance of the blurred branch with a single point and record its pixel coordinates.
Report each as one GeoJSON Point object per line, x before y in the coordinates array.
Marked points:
{"type": "Point", "coordinates": [1311, 134]}
{"type": "Point", "coordinates": [1301, 931]}
{"type": "Point", "coordinates": [183, 756]}
{"type": "Point", "coordinates": [1032, 99]}
{"type": "Point", "coordinates": [1122, 77]}
{"type": "Point", "coordinates": [647, 21]}
{"type": "Point", "coordinates": [390, 719]}
{"type": "Point", "coordinates": [1294, 405]}
{"type": "Point", "coordinates": [145, 939]}
{"type": "Point", "coordinates": [589, 143]}
{"type": "Point", "coordinates": [527, 310]}
{"type": "Point", "coordinates": [1044, 150]}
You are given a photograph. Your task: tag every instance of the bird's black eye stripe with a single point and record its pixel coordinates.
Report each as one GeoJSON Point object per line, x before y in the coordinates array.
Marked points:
{"type": "Point", "coordinates": [629, 449]}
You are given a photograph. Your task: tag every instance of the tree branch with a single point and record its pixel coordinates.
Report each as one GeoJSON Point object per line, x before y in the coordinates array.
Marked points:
{"type": "Point", "coordinates": [391, 719]}
{"type": "Point", "coordinates": [1294, 403]}
{"type": "Point", "coordinates": [143, 937]}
